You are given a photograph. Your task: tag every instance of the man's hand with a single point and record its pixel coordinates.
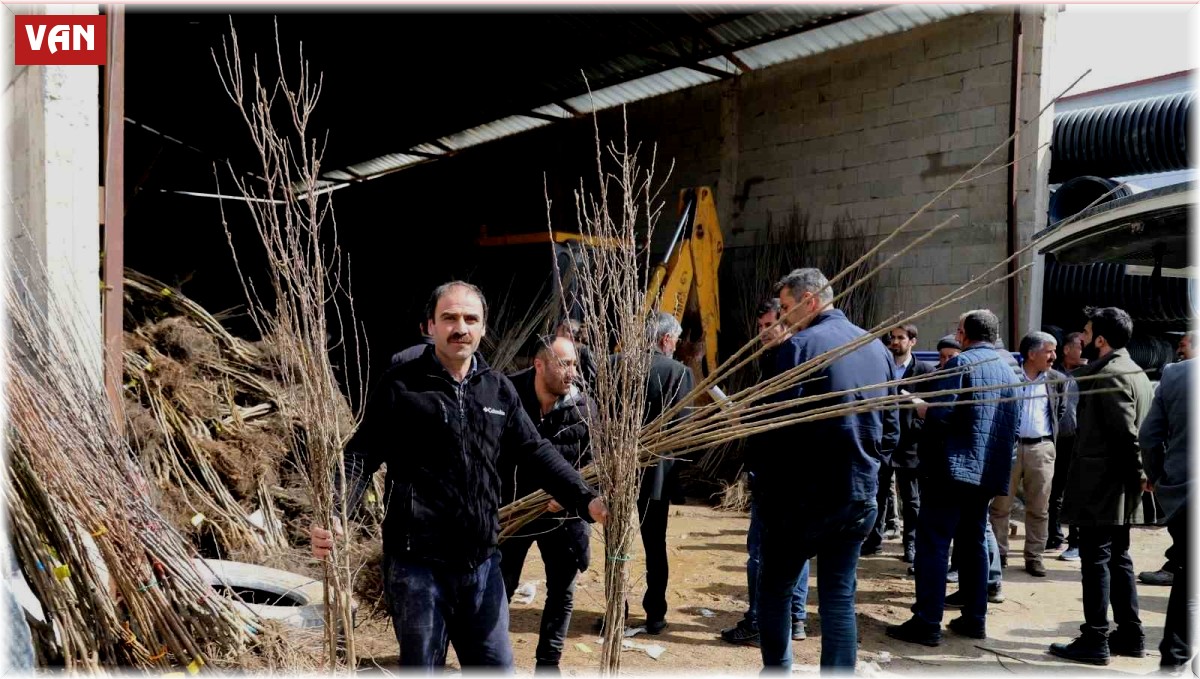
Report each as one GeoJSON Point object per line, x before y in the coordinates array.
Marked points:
{"type": "Point", "coordinates": [598, 511]}
{"type": "Point", "coordinates": [1147, 487]}
{"type": "Point", "coordinates": [553, 507]}
{"type": "Point", "coordinates": [322, 539]}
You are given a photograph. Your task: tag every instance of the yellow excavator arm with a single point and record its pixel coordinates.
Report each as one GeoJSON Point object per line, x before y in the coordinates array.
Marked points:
{"type": "Point", "coordinates": [686, 280]}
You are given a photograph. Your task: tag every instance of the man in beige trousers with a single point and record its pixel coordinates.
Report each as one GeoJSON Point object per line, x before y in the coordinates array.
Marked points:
{"type": "Point", "coordinates": [1033, 466]}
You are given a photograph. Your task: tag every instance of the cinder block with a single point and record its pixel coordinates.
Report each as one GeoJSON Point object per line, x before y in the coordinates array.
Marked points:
{"type": "Point", "coordinates": [876, 99]}
{"type": "Point", "coordinates": [943, 43]}
{"type": "Point", "coordinates": [939, 124]}
{"type": "Point", "coordinates": [921, 275]}
{"type": "Point", "coordinates": [996, 74]}
{"type": "Point", "coordinates": [979, 117]}
{"type": "Point", "coordinates": [959, 62]}
{"type": "Point", "coordinates": [926, 107]}
{"type": "Point", "coordinates": [904, 131]}
{"type": "Point", "coordinates": [995, 54]}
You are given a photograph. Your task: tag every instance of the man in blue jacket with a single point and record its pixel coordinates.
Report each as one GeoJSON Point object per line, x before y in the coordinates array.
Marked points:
{"type": "Point", "coordinates": [966, 458]}
{"type": "Point", "coordinates": [817, 485]}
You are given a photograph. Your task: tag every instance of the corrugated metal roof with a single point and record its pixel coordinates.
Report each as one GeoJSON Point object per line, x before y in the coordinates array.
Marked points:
{"type": "Point", "coordinates": [491, 131]}
{"type": "Point", "coordinates": [858, 29]}
{"type": "Point", "coordinates": [641, 88]}
{"type": "Point", "coordinates": [744, 33]}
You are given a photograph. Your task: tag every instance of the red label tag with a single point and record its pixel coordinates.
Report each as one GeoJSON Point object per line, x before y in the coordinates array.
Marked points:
{"type": "Point", "coordinates": [61, 40]}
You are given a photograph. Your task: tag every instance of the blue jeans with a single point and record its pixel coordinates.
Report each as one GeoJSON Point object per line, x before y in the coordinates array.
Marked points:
{"type": "Point", "coordinates": [952, 510]}
{"type": "Point", "coordinates": [753, 564]}
{"type": "Point", "coordinates": [995, 573]}
{"type": "Point", "coordinates": [433, 605]}
{"type": "Point", "coordinates": [788, 542]}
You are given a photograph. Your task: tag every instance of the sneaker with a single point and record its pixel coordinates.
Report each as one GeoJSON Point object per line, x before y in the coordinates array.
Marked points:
{"type": "Point", "coordinates": [799, 633]}
{"type": "Point", "coordinates": [1159, 577]}
{"type": "Point", "coordinates": [742, 634]}
{"type": "Point", "coordinates": [952, 577]}
{"type": "Point", "coordinates": [1035, 568]}
{"type": "Point", "coordinates": [915, 632]}
{"type": "Point", "coordinates": [962, 627]}
{"type": "Point", "coordinates": [1091, 651]}
{"type": "Point", "coordinates": [1069, 554]}
{"type": "Point", "coordinates": [996, 596]}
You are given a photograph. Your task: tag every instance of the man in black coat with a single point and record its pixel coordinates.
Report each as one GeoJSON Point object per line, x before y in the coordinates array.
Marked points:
{"type": "Point", "coordinates": [903, 462]}
{"type": "Point", "coordinates": [668, 382]}
{"type": "Point", "coordinates": [561, 412]}
{"type": "Point", "coordinates": [443, 422]}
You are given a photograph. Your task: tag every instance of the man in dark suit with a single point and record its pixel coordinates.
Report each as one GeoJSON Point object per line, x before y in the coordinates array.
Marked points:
{"type": "Point", "coordinates": [668, 382]}
{"type": "Point", "coordinates": [903, 462]}
{"type": "Point", "coordinates": [1164, 437]}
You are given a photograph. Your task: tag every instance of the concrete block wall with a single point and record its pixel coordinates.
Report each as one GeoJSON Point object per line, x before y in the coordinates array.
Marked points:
{"type": "Point", "coordinates": [871, 132]}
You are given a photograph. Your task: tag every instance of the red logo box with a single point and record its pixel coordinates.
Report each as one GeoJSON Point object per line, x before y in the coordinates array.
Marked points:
{"type": "Point", "coordinates": [61, 40]}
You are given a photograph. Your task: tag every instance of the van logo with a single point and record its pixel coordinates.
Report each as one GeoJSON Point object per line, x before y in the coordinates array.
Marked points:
{"type": "Point", "coordinates": [493, 411]}
{"type": "Point", "coordinates": [60, 40]}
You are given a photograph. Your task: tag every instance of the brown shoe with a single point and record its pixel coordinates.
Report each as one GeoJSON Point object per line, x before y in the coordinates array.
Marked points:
{"type": "Point", "coordinates": [1035, 568]}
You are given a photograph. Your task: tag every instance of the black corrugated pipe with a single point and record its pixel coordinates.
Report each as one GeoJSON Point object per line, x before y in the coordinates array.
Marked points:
{"type": "Point", "coordinates": [1070, 287]}
{"type": "Point", "coordinates": [1078, 193]}
{"type": "Point", "coordinates": [1136, 137]}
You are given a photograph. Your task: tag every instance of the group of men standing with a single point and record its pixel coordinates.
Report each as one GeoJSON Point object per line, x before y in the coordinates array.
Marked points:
{"type": "Point", "coordinates": [460, 440]}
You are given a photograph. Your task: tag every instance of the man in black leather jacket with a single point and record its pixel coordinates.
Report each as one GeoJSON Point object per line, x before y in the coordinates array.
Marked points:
{"type": "Point", "coordinates": [443, 422]}
{"type": "Point", "coordinates": [560, 411]}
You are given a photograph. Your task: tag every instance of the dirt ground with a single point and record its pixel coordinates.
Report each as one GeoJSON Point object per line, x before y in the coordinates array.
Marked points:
{"type": "Point", "coordinates": [708, 575]}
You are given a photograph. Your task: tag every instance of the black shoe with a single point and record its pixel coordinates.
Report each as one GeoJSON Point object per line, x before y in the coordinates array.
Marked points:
{"type": "Point", "coordinates": [1128, 645]}
{"type": "Point", "coordinates": [869, 549]}
{"type": "Point", "coordinates": [1054, 544]}
{"type": "Point", "coordinates": [546, 669]}
{"type": "Point", "coordinates": [910, 553]}
{"type": "Point", "coordinates": [1035, 568]}
{"type": "Point", "coordinates": [954, 600]}
{"type": "Point", "coordinates": [1093, 651]}
{"type": "Point", "coordinates": [741, 633]}
{"type": "Point", "coordinates": [655, 626]}
{"type": "Point", "coordinates": [1003, 561]}
{"type": "Point", "coordinates": [915, 632]}
{"type": "Point", "coordinates": [962, 627]}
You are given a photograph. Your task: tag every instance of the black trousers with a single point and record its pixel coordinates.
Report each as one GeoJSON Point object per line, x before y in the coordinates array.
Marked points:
{"type": "Point", "coordinates": [1064, 451]}
{"type": "Point", "coordinates": [1176, 648]}
{"type": "Point", "coordinates": [1108, 580]}
{"type": "Point", "coordinates": [910, 503]}
{"type": "Point", "coordinates": [562, 564]}
{"type": "Point", "coordinates": [653, 517]}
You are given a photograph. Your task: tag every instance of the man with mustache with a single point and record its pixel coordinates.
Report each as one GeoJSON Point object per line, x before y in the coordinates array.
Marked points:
{"type": "Point", "coordinates": [1104, 489]}
{"type": "Point", "coordinates": [443, 422]}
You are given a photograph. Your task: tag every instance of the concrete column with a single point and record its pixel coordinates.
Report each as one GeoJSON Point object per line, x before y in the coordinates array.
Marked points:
{"type": "Point", "coordinates": [727, 186]}
{"type": "Point", "coordinates": [52, 132]}
{"type": "Point", "coordinates": [1033, 174]}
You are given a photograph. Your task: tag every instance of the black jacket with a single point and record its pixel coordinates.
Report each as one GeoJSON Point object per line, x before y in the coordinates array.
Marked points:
{"type": "Point", "coordinates": [412, 353]}
{"type": "Point", "coordinates": [905, 454]}
{"type": "Point", "coordinates": [566, 427]}
{"type": "Point", "coordinates": [444, 443]}
{"type": "Point", "coordinates": [667, 383]}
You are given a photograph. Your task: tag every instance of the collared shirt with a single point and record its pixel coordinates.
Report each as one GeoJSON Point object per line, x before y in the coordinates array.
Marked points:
{"type": "Point", "coordinates": [898, 370]}
{"type": "Point", "coordinates": [1035, 409]}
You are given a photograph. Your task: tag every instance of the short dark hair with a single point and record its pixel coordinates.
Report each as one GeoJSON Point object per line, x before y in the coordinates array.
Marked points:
{"type": "Point", "coordinates": [980, 325]}
{"type": "Point", "coordinates": [1034, 341]}
{"type": "Point", "coordinates": [909, 329]}
{"type": "Point", "coordinates": [948, 342]}
{"type": "Point", "coordinates": [801, 281]}
{"type": "Point", "coordinates": [1071, 337]}
{"type": "Point", "coordinates": [768, 306]}
{"type": "Point", "coordinates": [545, 346]}
{"type": "Point", "coordinates": [440, 291]}
{"type": "Point", "coordinates": [1111, 323]}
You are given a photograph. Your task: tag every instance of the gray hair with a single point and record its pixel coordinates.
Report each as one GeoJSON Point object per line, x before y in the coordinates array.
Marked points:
{"type": "Point", "coordinates": [663, 324]}
{"type": "Point", "coordinates": [1034, 341]}
{"type": "Point", "coordinates": [980, 325]}
{"type": "Point", "coordinates": [801, 281]}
